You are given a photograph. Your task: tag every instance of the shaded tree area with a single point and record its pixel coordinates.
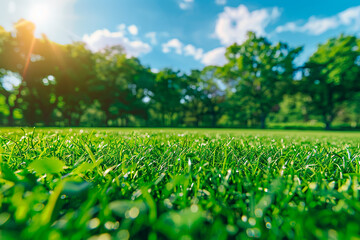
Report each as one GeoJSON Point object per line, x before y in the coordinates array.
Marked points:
{"type": "Point", "coordinates": [44, 83]}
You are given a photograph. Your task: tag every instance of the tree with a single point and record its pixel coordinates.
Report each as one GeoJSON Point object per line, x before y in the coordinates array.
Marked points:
{"type": "Point", "coordinates": [259, 73]}
{"type": "Point", "coordinates": [168, 93]}
{"type": "Point", "coordinates": [121, 84]}
{"type": "Point", "coordinates": [214, 95]}
{"type": "Point", "coordinates": [32, 59]}
{"type": "Point", "coordinates": [331, 76]}
{"type": "Point", "coordinates": [194, 104]}
{"type": "Point", "coordinates": [38, 87]}
{"type": "Point", "coordinates": [6, 47]}
{"type": "Point", "coordinates": [74, 74]}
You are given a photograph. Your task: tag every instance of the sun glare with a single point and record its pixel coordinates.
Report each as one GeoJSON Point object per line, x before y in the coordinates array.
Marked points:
{"type": "Point", "coordinates": [40, 15]}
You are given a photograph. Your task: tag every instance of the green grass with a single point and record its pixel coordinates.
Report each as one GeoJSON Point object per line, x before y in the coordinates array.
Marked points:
{"type": "Point", "coordinates": [178, 184]}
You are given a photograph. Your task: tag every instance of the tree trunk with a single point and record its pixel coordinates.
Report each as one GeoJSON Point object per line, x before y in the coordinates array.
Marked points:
{"type": "Point", "coordinates": [69, 120]}
{"type": "Point", "coordinates": [163, 119]}
{"type": "Point", "coordinates": [10, 118]}
{"type": "Point", "coordinates": [126, 121]}
{"type": "Point", "coordinates": [77, 121]}
{"type": "Point", "coordinates": [327, 125]}
{"type": "Point", "coordinates": [107, 119]}
{"type": "Point", "coordinates": [328, 120]}
{"type": "Point", "coordinates": [213, 119]}
{"type": "Point", "coordinates": [47, 118]}
{"type": "Point", "coordinates": [263, 121]}
{"type": "Point", "coordinates": [197, 121]}
{"type": "Point", "coordinates": [171, 119]}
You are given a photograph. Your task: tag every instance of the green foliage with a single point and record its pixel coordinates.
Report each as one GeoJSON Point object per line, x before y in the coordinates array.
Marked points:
{"type": "Point", "coordinates": [331, 76]}
{"type": "Point", "coordinates": [175, 184]}
{"type": "Point", "coordinates": [121, 84]}
{"type": "Point", "coordinates": [69, 85]}
{"type": "Point", "coordinates": [47, 166]}
{"type": "Point", "coordinates": [168, 92]}
{"type": "Point", "coordinates": [259, 74]}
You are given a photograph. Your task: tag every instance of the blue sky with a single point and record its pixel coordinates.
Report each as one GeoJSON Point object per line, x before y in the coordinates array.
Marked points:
{"type": "Point", "coordinates": [185, 34]}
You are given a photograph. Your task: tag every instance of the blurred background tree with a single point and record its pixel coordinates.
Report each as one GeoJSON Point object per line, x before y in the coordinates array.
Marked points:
{"type": "Point", "coordinates": [259, 74]}
{"type": "Point", "coordinates": [44, 83]}
{"type": "Point", "coordinates": [331, 77]}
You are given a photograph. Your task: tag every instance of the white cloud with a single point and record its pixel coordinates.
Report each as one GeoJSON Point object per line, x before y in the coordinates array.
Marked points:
{"type": "Point", "coordinates": [351, 18]}
{"type": "Point", "coordinates": [152, 37]}
{"type": "Point", "coordinates": [290, 26]}
{"type": "Point", "coordinates": [179, 48]}
{"type": "Point", "coordinates": [350, 15]}
{"type": "Point", "coordinates": [186, 4]}
{"type": "Point", "coordinates": [220, 2]}
{"type": "Point", "coordinates": [233, 24]}
{"type": "Point", "coordinates": [173, 44]}
{"type": "Point", "coordinates": [122, 27]}
{"type": "Point", "coordinates": [155, 70]}
{"type": "Point", "coordinates": [133, 30]}
{"type": "Point", "coordinates": [214, 57]}
{"type": "Point", "coordinates": [190, 50]}
{"type": "Point", "coordinates": [104, 38]}
{"type": "Point", "coordinates": [316, 26]}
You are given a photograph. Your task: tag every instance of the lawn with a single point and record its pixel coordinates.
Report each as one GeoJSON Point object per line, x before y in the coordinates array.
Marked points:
{"type": "Point", "coordinates": [178, 184]}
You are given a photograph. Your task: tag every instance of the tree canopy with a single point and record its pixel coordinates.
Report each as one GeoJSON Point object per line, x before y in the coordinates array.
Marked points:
{"type": "Point", "coordinates": [331, 76]}
{"type": "Point", "coordinates": [69, 85]}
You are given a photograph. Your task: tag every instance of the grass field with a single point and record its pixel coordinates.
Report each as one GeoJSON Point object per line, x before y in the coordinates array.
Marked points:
{"type": "Point", "coordinates": [178, 184]}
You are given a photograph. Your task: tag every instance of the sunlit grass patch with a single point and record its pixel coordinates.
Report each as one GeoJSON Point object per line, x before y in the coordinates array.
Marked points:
{"type": "Point", "coordinates": [178, 184]}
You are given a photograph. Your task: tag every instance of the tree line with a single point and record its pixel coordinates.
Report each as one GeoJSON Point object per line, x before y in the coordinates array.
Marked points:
{"type": "Point", "coordinates": [69, 85]}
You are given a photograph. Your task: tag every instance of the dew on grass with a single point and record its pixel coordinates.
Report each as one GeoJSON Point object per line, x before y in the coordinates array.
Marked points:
{"type": "Point", "coordinates": [263, 180]}
{"type": "Point", "coordinates": [134, 212]}
{"type": "Point", "coordinates": [94, 223]}
{"type": "Point", "coordinates": [252, 221]}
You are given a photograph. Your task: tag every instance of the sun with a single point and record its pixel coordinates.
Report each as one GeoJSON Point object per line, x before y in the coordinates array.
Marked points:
{"type": "Point", "coordinates": [41, 15]}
